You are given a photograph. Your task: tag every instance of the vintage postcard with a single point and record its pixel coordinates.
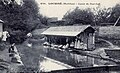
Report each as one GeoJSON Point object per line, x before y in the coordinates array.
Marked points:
{"type": "Point", "coordinates": [59, 36]}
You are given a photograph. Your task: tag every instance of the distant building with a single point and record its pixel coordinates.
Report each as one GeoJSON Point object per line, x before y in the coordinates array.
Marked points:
{"type": "Point", "coordinates": [79, 37]}
{"type": "Point", "coordinates": [51, 21]}
{"type": "Point", "coordinates": [55, 22]}
{"type": "Point", "coordinates": [3, 34]}
{"type": "Point", "coordinates": [1, 28]}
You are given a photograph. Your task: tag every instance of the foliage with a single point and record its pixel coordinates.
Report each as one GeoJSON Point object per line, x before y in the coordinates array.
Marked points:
{"type": "Point", "coordinates": [115, 14]}
{"type": "Point", "coordinates": [78, 16]}
{"type": "Point", "coordinates": [101, 15]}
{"type": "Point", "coordinates": [19, 19]}
{"type": "Point", "coordinates": [2, 46]}
{"type": "Point", "coordinates": [94, 16]}
{"type": "Point", "coordinates": [43, 19]}
{"type": "Point", "coordinates": [107, 15]}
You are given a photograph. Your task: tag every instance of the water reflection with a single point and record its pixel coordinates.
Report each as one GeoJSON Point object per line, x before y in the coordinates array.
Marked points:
{"type": "Point", "coordinates": [70, 59]}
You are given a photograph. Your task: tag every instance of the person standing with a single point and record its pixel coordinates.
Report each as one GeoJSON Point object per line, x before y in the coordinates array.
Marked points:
{"type": "Point", "coordinates": [29, 35]}
{"type": "Point", "coordinates": [72, 44]}
{"type": "Point", "coordinates": [75, 43]}
{"type": "Point", "coordinates": [11, 48]}
{"type": "Point", "coordinates": [5, 36]}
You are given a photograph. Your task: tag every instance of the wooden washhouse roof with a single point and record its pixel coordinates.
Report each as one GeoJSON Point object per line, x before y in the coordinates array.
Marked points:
{"type": "Point", "coordinates": [65, 30]}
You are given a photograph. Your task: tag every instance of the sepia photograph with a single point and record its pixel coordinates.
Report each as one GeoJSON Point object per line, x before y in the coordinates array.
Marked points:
{"type": "Point", "coordinates": [59, 36]}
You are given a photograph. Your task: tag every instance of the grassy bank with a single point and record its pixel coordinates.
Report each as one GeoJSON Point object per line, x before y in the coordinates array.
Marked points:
{"type": "Point", "coordinates": [109, 33]}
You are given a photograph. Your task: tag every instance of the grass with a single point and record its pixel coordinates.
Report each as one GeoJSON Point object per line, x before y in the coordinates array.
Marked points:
{"type": "Point", "coordinates": [110, 32]}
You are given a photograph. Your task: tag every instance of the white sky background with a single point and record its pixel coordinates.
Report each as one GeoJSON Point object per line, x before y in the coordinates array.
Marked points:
{"type": "Point", "coordinates": [60, 10]}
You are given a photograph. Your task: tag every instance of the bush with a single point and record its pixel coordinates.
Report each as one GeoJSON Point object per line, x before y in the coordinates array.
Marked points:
{"type": "Point", "coordinates": [2, 46]}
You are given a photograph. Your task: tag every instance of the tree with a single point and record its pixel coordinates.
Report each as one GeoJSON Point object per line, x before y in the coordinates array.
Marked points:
{"type": "Point", "coordinates": [43, 19]}
{"type": "Point", "coordinates": [115, 14]}
{"type": "Point", "coordinates": [101, 15]}
{"type": "Point", "coordinates": [19, 19]}
{"type": "Point", "coordinates": [107, 15]}
{"type": "Point", "coordinates": [78, 16]}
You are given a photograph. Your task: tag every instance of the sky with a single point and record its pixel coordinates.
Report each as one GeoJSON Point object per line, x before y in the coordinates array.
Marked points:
{"type": "Point", "coordinates": [49, 9]}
